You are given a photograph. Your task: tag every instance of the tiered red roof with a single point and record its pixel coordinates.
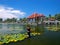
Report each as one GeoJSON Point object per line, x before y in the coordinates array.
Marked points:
{"type": "Point", "coordinates": [35, 15]}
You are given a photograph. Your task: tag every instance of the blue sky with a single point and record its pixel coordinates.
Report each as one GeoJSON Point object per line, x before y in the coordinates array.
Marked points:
{"type": "Point", "coordinates": [28, 7]}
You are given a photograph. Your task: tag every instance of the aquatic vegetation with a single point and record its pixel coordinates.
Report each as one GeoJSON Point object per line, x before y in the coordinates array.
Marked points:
{"type": "Point", "coordinates": [1, 43]}
{"type": "Point", "coordinates": [53, 28]}
{"type": "Point", "coordinates": [35, 33]}
{"type": "Point", "coordinates": [15, 37]}
{"type": "Point", "coordinates": [12, 38]}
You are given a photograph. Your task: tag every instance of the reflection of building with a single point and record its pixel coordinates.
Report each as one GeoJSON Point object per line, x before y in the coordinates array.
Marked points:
{"type": "Point", "coordinates": [32, 18]}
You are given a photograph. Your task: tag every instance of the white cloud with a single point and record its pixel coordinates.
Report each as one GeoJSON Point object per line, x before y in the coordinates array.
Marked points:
{"type": "Point", "coordinates": [8, 12]}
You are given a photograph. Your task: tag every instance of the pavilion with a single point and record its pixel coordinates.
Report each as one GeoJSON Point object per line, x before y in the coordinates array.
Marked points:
{"type": "Point", "coordinates": [35, 16]}
{"type": "Point", "coordinates": [40, 17]}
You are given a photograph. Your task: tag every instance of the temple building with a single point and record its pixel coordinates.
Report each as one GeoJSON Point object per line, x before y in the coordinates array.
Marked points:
{"type": "Point", "coordinates": [40, 17]}
{"type": "Point", "coordinates": [35, 16]}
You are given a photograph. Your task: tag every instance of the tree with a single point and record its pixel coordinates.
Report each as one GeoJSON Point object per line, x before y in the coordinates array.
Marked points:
{"type": "Point", "coordinates": [20, 20]}
{"type": "Point", "coordinates": [57, 16]}
{"type": "Point", "coordinates": [13, 19]}
{"type": "Point", "coordinates": [49, 16]}
{"type": "Point", "coordinates": [7, 20]}
{"type": "Point", "coordinates": [1, 19]}
{"type": "Point", "coordinates": [23, 19]}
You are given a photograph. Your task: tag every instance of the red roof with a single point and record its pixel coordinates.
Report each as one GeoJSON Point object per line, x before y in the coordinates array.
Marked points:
{"type": "Point", "coordinates": [35, 15]}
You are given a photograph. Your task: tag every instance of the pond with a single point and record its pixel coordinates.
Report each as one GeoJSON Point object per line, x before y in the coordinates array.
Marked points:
{"type": "Point", "coordinates": [47, 38]}
{"type": "Point", "coordinates": [11, 32]}
{"type": "Point", "coordinates": [8, 28]}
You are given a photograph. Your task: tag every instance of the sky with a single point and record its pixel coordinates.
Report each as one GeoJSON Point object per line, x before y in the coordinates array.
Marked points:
{"type": "Point", "coordinates": [24, 8]}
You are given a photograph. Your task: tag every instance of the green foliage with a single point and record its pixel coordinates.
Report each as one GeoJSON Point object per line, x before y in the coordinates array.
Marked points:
{"type": "Point", "coordinates": [57, 16]}
{"type": "Point", "coordinates": [23, 20]}
{"type": "Point", "coordinates": [49, 15]}
{"type": "Point", "coordinates": [1, 19]}
{"type": "Point", "coordinates": [11, 20]}
{"type": "Point", "coordinates": [12, 37]}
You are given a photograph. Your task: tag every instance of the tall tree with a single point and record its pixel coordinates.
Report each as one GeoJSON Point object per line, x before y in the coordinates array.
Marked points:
{"type": "Point", "coordinates": [24, 19]}
{"type": "Point", "coordinates": [49, 16]}
{"type": "Point", "coordinates": [20, 20]}
{"type": "Point", "coordinates": [13, 19]}
{"type": "Point", "coordinates": [57, 16]}
{"type": "Point", "coordinates": [1, 19]}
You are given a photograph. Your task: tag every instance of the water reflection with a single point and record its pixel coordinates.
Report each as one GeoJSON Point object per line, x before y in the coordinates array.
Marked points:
{"type": "Point", "coordinates": [0, 26]}
{"type": "Point", "coordinates": [47, 38]}
{"type": "Point", "coordinates": [11, 28]}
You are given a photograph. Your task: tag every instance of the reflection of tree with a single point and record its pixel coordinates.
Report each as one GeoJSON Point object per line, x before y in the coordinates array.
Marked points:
{"type": "Point", "coordinates": [13, 26]}
{"type": "Point", "coordinates": [0, 26]}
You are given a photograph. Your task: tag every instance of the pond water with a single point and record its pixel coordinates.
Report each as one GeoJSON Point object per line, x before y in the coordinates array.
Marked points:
{"type": "Point", "coordinates": [11, 28]}
{"type": "Point", "coordinates": [47, 38]}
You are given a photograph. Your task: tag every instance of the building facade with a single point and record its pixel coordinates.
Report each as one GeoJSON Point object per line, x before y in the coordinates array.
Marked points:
{"type": "Point", "coordinates": [36, 17]}
{"type": "Point", "coordinates": [40, 17]}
